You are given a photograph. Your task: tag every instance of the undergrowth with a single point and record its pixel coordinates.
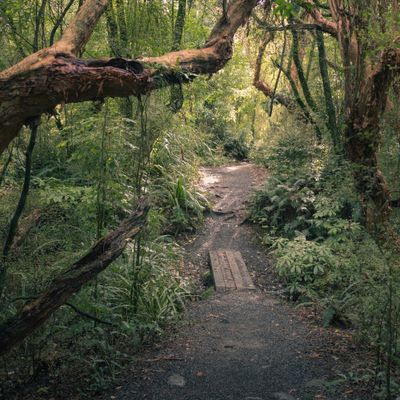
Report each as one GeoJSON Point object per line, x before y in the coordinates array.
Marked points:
{"type": "Point", "coordinates": [313, 225]}
{"type": "Point", "coordinates": [85, 180]}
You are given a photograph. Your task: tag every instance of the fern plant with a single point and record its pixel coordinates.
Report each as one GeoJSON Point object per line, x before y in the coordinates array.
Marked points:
{"type": "Point", "coordinates": [285, 206]}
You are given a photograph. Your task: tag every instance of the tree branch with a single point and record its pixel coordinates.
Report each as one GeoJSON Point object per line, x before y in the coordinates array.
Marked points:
{"type": "Point", "coordinates": [74, 307]}
{"type": "Point", "coordinates": [325, 24]}
{"type": "Point", "coordinates": [77, 34]}
{"type": "Point", "coordinates": [59, 21]}
{"type": "Point", "coordinates": [295, 26]}
{"type": "Point", "coordinates": [53, 75]}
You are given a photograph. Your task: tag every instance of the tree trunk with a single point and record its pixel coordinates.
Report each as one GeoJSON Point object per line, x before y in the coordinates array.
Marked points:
{"type": "Point", "coordinates": [363, 138]}
{"type": "Point", "coordinates": [367, 82]}
{"type": "Point", "coordinates": [329, 105]}
{"type": "Point", "coordinates": [36, 312]}
{"type": "Point", "coordinates": [6, 165]}
{"type": "Point", "coordinates": [176, 95]}
{"type": "Point", "coordinates": [12, 230]}
{"type": "Point", "coordinates": [300, 73]}
{"type": "Point", "coordinates": [368, 75]}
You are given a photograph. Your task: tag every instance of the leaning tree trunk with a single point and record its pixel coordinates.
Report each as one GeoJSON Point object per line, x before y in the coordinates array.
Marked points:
{"type": "Point", "coordinates": [36, 312]}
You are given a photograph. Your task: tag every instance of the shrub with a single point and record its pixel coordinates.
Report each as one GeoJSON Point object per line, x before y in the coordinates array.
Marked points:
{"type": "Point", "coordinates": [237, 148]}
{"type": "Point", "coordinates": [300, 262]}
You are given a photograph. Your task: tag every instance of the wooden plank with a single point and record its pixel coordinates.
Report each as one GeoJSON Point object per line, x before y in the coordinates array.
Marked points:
{"type": "Point", "coordinates": [223, 279]}
{"type": "Point", "coordinates": [219, 281]}
{"type": "Point", "coordinates": [236, 273]}
{"type": "Point", "coordinates": [246, 280]}
{"type": "Point", "coordinates": [230, 271]}
{"type": "Point", "coordinates": [226, 270]}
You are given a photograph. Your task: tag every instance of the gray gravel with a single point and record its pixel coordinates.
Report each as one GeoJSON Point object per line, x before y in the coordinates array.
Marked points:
{"type": "Point", "coordinates": [236, 345]}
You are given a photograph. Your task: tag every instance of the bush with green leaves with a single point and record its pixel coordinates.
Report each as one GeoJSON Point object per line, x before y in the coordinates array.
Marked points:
{"type": "Point", "coordinates": [237, 148]}
{"type": "Point", "coordinates": [291, 149]}
{"type": "Point", "coordinates": [300, 262]}
{"type": "Point", "coordinates": [285, 206]}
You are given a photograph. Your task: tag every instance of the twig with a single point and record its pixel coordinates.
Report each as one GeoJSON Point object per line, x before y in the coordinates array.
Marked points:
{"type": "Point", "coordinates": [74, 307]}
{"type": "Point", "coordinates": [165, 358]}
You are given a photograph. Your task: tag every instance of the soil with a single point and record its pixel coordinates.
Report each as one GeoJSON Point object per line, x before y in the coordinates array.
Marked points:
{"type": "Point", "coordinates": [241, 345]}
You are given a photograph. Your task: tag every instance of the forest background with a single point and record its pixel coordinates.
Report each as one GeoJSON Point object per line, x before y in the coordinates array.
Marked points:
{"type": "Point", "coordinates": [328, 211]}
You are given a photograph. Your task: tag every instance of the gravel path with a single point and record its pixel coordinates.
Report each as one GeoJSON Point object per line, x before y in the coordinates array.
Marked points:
{"type": "Point", "coordinates": [237, 345]}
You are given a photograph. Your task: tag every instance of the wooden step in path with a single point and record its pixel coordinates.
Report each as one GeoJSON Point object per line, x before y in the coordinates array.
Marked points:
{"type": "Point", "coordinates": [230, 271]}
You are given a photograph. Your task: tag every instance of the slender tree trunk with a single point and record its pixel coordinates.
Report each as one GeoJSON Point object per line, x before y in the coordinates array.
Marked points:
{"type": "Point", "coordinates": [59, 21]}
{"type": "Point", "coordinates": [39, 19]}
{"type": "Point", "coordinates": [123, 30]}
{"type": "Point", "coordinates": [300, 73]}
{"type": "Point", "coordinates": [13, 227]}
{"type": "Point", "coordinates": [310, 59]}
{"type": "Point", "coordinates": [24, 193]}
{"type": "Point", "coordinates": [176, 96]}
{"type": "Point", "coordinates": [329, 104]}
{"type": "Point", "coordinates": [179, 25]}
{"type": "Point", "coordinates": [283, 54]}
{"type": "Point", "coordinates": [112, 30]}
{"type": "Point", "coordinates": [281, 98]}
{"type": "Point", "coordinates": [118, 41]}
{"type": "Point", "coordinates": [300, 103]}
{"type": "Point", "coordinates": [6, 165]}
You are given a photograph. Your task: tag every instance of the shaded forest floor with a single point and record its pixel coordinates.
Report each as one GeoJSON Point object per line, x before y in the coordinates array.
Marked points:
{"type": "Point", "coordinates": [243, 345]}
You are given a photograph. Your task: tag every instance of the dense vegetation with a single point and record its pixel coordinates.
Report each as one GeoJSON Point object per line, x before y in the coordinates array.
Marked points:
{"type": "Point", "coordinates": [311, 93]}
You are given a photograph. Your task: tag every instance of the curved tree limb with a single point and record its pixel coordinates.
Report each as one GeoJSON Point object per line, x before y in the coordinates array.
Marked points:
{"type": "Point", "coordinates": [325, 24]}
{"type": "Point", "coordinates": [262, 86]}
{"type": "Point", "coordinates": [54, 75]}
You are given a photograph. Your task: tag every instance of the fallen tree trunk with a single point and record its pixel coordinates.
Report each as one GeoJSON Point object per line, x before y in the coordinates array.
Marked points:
{"type": "Point", "coordinates": [54, 75]}
{"type": "Point", "coordinates": [100, 256]}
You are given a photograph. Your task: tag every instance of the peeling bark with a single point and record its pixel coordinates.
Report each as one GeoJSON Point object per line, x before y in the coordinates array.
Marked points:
{"type": "Point", "coordinates": [54, 75]}
{"type": "Point", "coordinates": [368, 77]}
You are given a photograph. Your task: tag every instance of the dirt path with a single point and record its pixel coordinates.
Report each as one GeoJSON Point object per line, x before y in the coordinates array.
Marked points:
{"type": "Point", "coordinates": [236, 345]}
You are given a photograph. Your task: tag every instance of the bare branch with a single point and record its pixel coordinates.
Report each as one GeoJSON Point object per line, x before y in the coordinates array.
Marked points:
{"type": "Point", "coordinates": [298, 26]}
{"type": "Point", "coordinates": [326, 25]}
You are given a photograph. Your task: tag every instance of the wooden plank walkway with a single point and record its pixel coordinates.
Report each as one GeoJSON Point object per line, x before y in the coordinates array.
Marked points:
{"type": "Point", "coordinates": [230, 271]}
